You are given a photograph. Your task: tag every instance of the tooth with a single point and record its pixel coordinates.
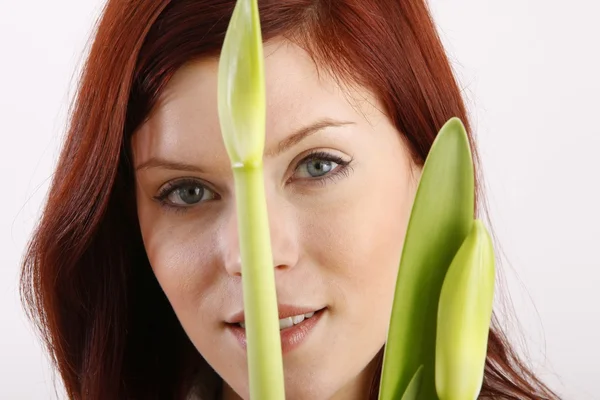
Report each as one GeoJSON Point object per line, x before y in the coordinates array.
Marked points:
{"type": "Point", "coordinates": [296, 319]}
{"type": "Point", "coordinates": [285, 323]}
{"type": "Point", "coordinates": [289, 321]}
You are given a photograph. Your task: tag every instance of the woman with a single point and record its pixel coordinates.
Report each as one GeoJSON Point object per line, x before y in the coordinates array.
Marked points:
{"type": "Point", "coordinates": [134, 275]}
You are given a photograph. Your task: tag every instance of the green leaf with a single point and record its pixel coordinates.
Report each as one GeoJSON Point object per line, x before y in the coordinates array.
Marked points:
{"type": "Point", "coordinates": [412, 391]}
{"type": "Point", "coordinates": [464, 315]}
{"type": "Point", "coordinates": [242, 114]}
{"type": "Point", "coordinates": [441, 218]}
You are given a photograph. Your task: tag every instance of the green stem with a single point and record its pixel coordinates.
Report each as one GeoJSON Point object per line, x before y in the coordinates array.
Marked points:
{"type": "Point", "coordinates": [265, 364]}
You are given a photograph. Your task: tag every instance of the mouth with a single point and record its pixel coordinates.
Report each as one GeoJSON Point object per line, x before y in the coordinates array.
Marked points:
{"type": "Point", "coordinates": [288, 322]}
{"type": "Point", "coordinates": [294, 329]}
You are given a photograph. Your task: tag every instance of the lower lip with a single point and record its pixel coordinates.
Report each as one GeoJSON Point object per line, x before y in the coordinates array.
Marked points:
{"type": "Point", "coordinates": [291, 337]}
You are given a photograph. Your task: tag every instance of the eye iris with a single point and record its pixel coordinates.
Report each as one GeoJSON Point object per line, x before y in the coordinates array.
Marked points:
{"type": "Point", "coordinates": [190, 194]}
{"type": "Point", "coordinates": [319, 167]}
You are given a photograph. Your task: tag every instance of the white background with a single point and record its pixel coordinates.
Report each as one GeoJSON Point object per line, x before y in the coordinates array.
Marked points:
{"type": "Point", "coordinates": [530, 72]}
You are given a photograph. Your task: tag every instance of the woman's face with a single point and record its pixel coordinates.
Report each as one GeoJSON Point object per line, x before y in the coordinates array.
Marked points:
{"type": "Point", "coordinates": [338, 196]}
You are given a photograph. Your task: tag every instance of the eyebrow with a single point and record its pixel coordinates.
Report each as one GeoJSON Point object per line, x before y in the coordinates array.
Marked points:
{"type": "Point", "coordinates": [285, 144]}
{"type": "Point", "coordinates": [303, 133]}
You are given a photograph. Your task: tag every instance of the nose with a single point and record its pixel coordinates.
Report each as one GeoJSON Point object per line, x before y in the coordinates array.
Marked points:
{"type": "Point", "coordinates": [282, 230]}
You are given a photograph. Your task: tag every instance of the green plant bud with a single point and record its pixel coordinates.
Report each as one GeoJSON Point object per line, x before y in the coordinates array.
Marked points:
{"type": "Point", "coordinates": [464, 315]}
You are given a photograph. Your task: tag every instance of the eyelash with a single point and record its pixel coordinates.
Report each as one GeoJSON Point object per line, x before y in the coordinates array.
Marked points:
{"type": "Point", "coordinates": [342, 169]}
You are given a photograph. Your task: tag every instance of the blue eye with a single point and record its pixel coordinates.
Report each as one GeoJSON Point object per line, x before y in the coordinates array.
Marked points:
{"type": "Point", "coordinates": [318, 168]}
{"type": "Point", "coordinates": [184, 193]}
{"type": "Point", "coordinates": [320, 164]}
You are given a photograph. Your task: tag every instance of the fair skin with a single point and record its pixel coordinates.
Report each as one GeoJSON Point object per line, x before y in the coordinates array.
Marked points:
{"type": "Point", "coordinates": [336, 242]}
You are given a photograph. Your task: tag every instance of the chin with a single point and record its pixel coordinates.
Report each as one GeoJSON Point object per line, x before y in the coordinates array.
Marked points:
{"type": "Point", "coordinates": [309, 391]}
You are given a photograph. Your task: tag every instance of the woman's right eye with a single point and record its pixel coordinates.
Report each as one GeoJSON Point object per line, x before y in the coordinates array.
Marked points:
{"type": "Point", "coordinates": [186, 193]}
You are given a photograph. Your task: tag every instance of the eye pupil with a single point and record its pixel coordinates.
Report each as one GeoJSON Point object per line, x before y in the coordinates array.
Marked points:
{"type": "Point", "coordinates": [190, 194]}
{"type": "Point", "coordinates": [320, 166]}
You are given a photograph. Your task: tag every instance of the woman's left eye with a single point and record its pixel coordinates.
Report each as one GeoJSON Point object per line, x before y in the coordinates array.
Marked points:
{"type": "Point", "coordinates": [322, 165]}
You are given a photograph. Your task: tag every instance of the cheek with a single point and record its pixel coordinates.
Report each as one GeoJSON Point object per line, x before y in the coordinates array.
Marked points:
{"type": "Point", "coordinates": [364, 237]}
{"type": "Point", "coordinates": [179, 253]}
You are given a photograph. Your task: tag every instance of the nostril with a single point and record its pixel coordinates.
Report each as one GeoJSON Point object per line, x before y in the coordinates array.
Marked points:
{"type": "Point", "coordinates": [283, 267]}
{"type": "Point", "coordinates": [233, 265]}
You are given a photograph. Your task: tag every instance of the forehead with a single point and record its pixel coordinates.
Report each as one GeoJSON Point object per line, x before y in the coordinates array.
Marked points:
{"type": "Point", "coordinates": [297, 92]}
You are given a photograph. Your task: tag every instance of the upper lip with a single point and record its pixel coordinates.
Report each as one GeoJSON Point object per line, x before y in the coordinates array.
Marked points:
{"type": "Point", "coordinates": [284, 312]}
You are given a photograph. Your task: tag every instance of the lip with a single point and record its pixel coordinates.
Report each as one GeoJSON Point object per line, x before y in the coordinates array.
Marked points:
{"type": "Point", "coordinates": [291, 337]}
{"type": "Point", "coordinates": [284, 312]}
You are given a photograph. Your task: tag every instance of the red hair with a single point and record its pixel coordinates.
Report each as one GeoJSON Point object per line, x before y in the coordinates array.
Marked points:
{"type": "Point", "coordinates": [86, 280]}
